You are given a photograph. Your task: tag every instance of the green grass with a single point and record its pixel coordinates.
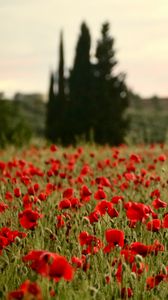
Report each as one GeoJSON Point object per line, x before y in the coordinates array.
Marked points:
{"type": "Point", "coordinates": [101, 161]}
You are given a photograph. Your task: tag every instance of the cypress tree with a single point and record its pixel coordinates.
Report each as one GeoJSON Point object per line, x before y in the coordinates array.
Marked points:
{"type": "Point", "coordinates": [80, 86]}
{"type": "Point", "coordinates": [110, 94]}
{"type": "Point", "coordinates": [61, 80]}
{"type": "Point", "coordinates": [50, 116]}
{"type": "Point", "coordinates": [63, 122]}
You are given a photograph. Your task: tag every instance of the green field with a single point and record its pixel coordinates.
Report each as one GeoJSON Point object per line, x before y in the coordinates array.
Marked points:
{"type": "Point", "coordinates": [84, 223]}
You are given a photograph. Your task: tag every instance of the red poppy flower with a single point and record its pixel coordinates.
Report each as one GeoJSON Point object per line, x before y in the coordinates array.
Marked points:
{"type": "Point", "coordinates": [60, 221]}
{"type": "Point", "coordinates": [154, 225]}
{"type": "Point", "coordinates": [100, 194]}
{"type": "Point", "coordinates": [77, 262]}
{"type": "Point", "coordinates": [17, 192]}
{"type": "Point", "coordinates": [157, 203]}
{"type": "Point", "coordinates": [165, 221]}
{"type": "Point", "coordinates": [83, 236]}
{"type": "Point", "coordinates": [103, 181]}
{"type": "Point", "coordinates": [85, 193]}
{"type": "Point", "coordinates": [28, 218]}
{"type": "Point", "coordinates": [126, 293]}
{"type": "Point", "coordinates": [28, 290]}
{"type": "Point", "coordinates": [151, 282]}
{"type": "Point", "coordinates": [94, 216]}
{"type": "Point", "coordinates": [42, 196]}
{"type": "Point", "coordinates": [64, 204]}
{"type": "Point", "coordinates": [8, 196]}
{"type": "Point", "coordinates": [113, 237]}
{"type": "Point", "coordinates": [49, 264]}
{"type": "Point", "coordinates": [53, 148]}
{"type": "Point", "coordinates": [103, 206]}
{"type": "Point", "coordinates": [155, 193]}
{"type": "Point", "coordinates": [137, 211]}
{"type": "Point", "coordinates": [112, 212]}
{"type": "Point", "coordinates": [162, 157]}
{"type": "Point", "coordinates": [116, 199]}
{"type": "Point", "coordinates": [68, 193]}
{"type": "Point", "coordinates": [60, 268]}
{"type": "Point", "coordinates": [3, 207]}
{"type": "Point", "coordinates": [129, 255]}
{"type": "Point", "coordinates": [140, 248]}
{"type": "Point", "coordinates": [93, 244]}
{"type": "Point", "coordinates": [135, 158]}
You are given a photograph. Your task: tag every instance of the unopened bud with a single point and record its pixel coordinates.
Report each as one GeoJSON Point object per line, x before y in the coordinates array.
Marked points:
{"type": "Point", "coordinates": [138, 258]}
{"type": "Point", "coordinates": [164, 270]}
{"type": "Point", "coordinates": [133, 275]}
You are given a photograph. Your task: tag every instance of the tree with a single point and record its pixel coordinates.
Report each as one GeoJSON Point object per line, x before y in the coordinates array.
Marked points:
{"type": "Point", "coordinates": [61, 80]}
{"type": "Point", "coordinates": [80, 83]}
{"type": "Point", "coordinates": [110, 94]}
{"type": "Point", "coordinates": [56, 106]}
{"type": "Point", "coordinates": [50, 113]}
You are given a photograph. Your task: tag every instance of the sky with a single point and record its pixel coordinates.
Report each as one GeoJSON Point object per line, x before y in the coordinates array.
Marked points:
{"type": "Point", "coordinates": [29, 41]}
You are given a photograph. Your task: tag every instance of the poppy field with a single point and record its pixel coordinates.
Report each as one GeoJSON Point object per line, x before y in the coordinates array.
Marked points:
{"type": "Point", "coordinates": [84, 223]}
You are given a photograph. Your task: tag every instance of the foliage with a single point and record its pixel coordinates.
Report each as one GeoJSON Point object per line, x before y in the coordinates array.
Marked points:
{"type": "Point", "coordinates": [111, 94]}
{"type": "Point", "coordinates": [96, 100]}
{"type": "Point", "coordinates": [13, 128]}
{"type": "Point", "coordinates": [80, 84]}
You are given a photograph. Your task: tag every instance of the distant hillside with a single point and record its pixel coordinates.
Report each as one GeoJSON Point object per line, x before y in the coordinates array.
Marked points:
{"type": "Point", "coordinates": [33, 108]}
{"type": "Point", "coordinates": [148, 117]}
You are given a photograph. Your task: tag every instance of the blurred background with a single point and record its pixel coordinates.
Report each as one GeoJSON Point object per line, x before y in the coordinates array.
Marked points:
{"type": "Point", "coordinates": [91, 71]}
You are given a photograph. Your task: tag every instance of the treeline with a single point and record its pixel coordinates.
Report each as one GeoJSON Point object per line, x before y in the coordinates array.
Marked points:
{"type": "Point", "coordinates": [14, 129]}
{"type": "Point", "coordinates": [90, 102]}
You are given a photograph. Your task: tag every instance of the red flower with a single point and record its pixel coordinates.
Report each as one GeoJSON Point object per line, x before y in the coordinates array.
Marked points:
{"type": "Point", "coordinates": [103, 181]}
{"type": "Point", "coordinates": [64, 204]}
{"type": "Point", "coordinates": [100, 194]}
{"type": "Point", "coordinates": [60, 221]}
{"type": "Point", "coordinates": [162, 157]}
{"type": "Point", "coordinates": [102, 207]}
{"type": "Point", "coordinates": [83, 237]}
{"type": "Point", "coordinates": [7, 236]}
{"type": "Point", "coordinates": [140, 248]}
{"type": "Point", "coordinates": [135, 158]}
{"type": "Point", "coordinates": [155, 193]}
{"type": "Point", "coordinates": [78, 262]}
{"type": "Point", "coordinates": [129, 255]}
{"type": "Point", "coordinates": [50, 265]}
{"type": "Point", "coordinates": [60, 268]}
{"type": "Point", "coordinates": [8, 196]}
{"type": "Point", "coordinates": [165, 221]}
{"type": "Point", "coordinates": [116, 199]}
{"type": "Point", "coordinates": [151, 282]}
{"type": "Point", "coordinates": [157, 203]}
{"type": "Point", "coordinates": [3, 207]}
{"type": "Point", "coordinates": [93, 244]}
{"type": "Point", "coordinates": [94, 216]}
{"type": "Point", "coordinates": [17, 192]}
{"type": "Point", "coordinates": [85, 193]}
{"type": "Point", "coordinates": [137, 211]}
{"type": "Point", "coordinates": [154, 225]}
{"type": "Point", "coordinates": [28, 218]}
{"type": "Point", "coordinates": [114, 237]}
{"type": "Point", "coordinates": [68, 193]}
{"type": "Point", "coordinates": [126, 293]}
{"type": "Point", "coordinates": [27, 290]}
{"type": "Point", "coordinates": [53, 148]}
{"type": "Point", "coordinates": [42, 196]}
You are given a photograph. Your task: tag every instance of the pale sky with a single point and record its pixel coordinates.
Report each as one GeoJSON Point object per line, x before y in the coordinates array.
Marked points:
{"type": "Point", "coordinates": [29, 39]}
